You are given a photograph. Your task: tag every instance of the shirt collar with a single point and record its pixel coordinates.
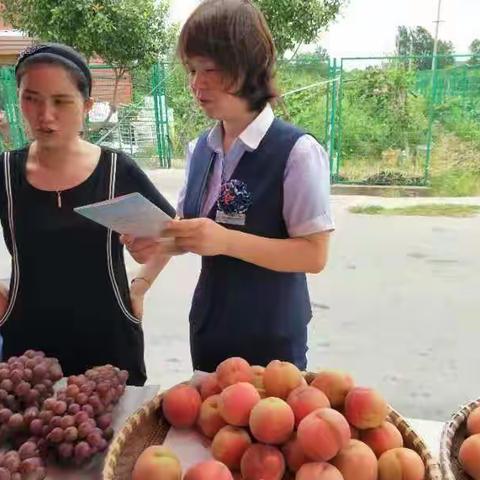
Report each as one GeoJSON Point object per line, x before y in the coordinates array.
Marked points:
{"type": "Point", "coordinates": [250, 137]}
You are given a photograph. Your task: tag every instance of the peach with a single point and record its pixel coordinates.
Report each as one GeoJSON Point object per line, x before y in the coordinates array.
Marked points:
{"type": "Point", "coordinates": [334, 384]}
{"type": "Point", "coordinates": [280, 378]}
{"type": "Point", "coordinates": [401, 464]}
{"type": "Point", "coordinates": [318, 471]}
{"type": "Point", "coordinates": [209, 386]}
{"type": "Point", "coordinates": [356, 461]}
{"type": "Point", "coordinates": [233, 370]}
{"type": "Point", "coordinates": [208, 470]}
{"type": "Point", "coordinates": [383, 438]}
{"type": "Point", "coordinates": [257, 380]}
{"type": "Point", "coordinates": [229, 445]}
{"type": "Point", "coordinates": [365, 408]}
{"type": "Point", "coordinates": [304, 400]}
{"type": "Point", "coordinates": [157, 463]}
{"type": "Point", "coordinates": [262, 462]}
{"type": "Point", "coordinates": [323, 433]}
{"type": "Point", "coordinates": [473, 421]}
{"type": "Point", "coordinates": [469, 456]}
{"type": "Point", "coordinates": [293, 453]}
{"type": "Point", "coordinates": [236, 403]}
{"type": "Point", "coordinates": [209, 420]}
{"type": "Point", "coordinates": [181, 405]}
{"type": "Point", "coordinates": [272, 421]}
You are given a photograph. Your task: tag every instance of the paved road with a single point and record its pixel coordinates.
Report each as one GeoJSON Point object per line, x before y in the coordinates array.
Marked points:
{"type": "Point", "coordinates": [398, 306]}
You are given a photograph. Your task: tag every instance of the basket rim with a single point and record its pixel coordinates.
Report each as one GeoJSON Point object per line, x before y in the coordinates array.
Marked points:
{"type": "Point", "coordinates": [432, 467]}
{"type": "Point", "coordinates": [119, 440]}
{"type": "Point", "coordinates": [448, 432]}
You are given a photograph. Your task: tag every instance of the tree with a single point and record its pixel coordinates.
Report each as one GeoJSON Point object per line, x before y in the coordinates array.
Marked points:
{"type": "Point", "coordinates": [318, 56]}
{"type": "Point", "coordinates": [125, 34]}
{"type": "Point", "coordinates": [297, 22]}
{"type": "Point", "coordinates": [391, 114]}
{"type": "Point", "coordinates": [419, 42]}
{"type": "Point", "coordinates": [321, 53]}
{"type": "Point", "coordinates": [475, 51]}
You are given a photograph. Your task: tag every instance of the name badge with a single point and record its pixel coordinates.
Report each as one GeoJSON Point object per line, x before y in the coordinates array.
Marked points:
{"type": "Point", "coordinates": [230, 219]}
{"type": "Point", "coordinates": [233, 203]}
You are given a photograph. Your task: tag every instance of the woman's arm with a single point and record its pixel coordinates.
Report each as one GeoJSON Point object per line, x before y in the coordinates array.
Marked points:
{"type": "Point", "coordinates": [304, 254]}
{"type": "Point", "coordinates": [205, 237]}
{"type": "Point", "coordinates": [143, 280]}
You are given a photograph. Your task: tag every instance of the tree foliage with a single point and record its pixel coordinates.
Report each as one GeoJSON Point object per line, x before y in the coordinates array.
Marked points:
{"type": "Point", "coordinates": [125, 34]}
{"type": "Point", "coordinates": [297, 22]}
{"type": "Point", "coordinates": [475, 51]}
{"type": "Point", "coordinates": [419, 42]}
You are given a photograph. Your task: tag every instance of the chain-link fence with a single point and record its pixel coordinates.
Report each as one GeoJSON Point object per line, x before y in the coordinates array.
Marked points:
{"type": "Point", "coordinates": [399, 119]}
{"type": "Point", "coordinates": [130, 113]}
{"type": "Point", "coordinates": [386, 120]}
{"type": "Point", "coordinates": [12, 133]}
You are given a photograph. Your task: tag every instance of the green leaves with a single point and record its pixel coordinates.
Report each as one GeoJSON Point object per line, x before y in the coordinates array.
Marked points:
{"type": "Point", "coordinates": [124, 33]}
{"type": "Point", "coordinates": [419, 41]}
{"type": "Point", "coordinates": [475, 51]}
{"type": "Point", "coordinates": [294, 22]}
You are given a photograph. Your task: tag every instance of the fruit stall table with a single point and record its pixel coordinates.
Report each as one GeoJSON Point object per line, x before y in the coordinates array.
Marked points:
{"type": "Point", "coordinates": [135, 397]}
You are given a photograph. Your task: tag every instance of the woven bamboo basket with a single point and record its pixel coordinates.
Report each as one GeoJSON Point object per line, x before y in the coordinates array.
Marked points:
{"type": "Point", "coordinates": [454, 433]}
{"type": "Point", "coordinates": [147, 426]}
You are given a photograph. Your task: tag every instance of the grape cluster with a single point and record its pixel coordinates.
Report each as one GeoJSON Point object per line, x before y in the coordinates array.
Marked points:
{"type": "Point", "coordinates": [24, 464]}
{"type": "Point", "coordinates": [76, 422]}
{"type": "Point", "coordinates": [25, 382]}
{"type": "Point", "coordinates": [72, 425]}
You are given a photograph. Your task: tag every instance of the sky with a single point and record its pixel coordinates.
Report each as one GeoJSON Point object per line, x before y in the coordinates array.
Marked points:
{"type": "Point", "coordinates": [368, 27]}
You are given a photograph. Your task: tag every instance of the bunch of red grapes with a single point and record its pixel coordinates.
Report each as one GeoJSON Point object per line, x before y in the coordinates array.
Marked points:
{"type": "Point", "coordinates": [24, 464]}
{"type": "Point", "coordinates": [70, 425]}
{"type": "Point", "coordinates": [25, 383]}
{"type": "Point", "coordinates": [76, 423]}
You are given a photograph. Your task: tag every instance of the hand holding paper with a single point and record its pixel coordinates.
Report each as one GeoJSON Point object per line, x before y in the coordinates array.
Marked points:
{"type": "Point", "coordinates": [130, 214]}
{"type": "Point", "coordinates": [143, 249]}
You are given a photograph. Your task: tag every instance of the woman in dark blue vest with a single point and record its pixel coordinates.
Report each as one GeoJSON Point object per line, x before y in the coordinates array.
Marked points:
{"type": "Point", "coordinates": [255, 204]}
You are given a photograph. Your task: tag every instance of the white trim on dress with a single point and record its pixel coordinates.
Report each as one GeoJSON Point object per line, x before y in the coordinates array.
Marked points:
{"type": "Point", "coordinates": [11, 223]}
{"type": "Point", "coordinates": [111, 271]}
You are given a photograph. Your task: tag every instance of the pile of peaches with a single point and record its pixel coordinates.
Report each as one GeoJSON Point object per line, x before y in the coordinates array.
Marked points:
{"type": "Point", "coordinates": [469, 453]}
{"type": "Point", "coordinates": [270, 424]}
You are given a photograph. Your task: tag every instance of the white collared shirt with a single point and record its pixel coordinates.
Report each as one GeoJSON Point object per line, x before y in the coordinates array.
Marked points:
{"type": "Point", "coordinates": [306, 195]}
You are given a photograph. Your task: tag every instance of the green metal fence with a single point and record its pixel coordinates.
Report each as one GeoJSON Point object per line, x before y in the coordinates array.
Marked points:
{"type": "Point", "coordinates": [140, 124]}
{"type": "Point", "coordinates": [393, 122]}
{"type": "Point", "coordinates": [12, 133]}
{"type": "Point", "coordinates": [383, 120]}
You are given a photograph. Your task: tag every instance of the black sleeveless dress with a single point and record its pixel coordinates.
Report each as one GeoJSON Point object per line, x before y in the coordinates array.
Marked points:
{"type": "Point", "coordinates": [69, 293]}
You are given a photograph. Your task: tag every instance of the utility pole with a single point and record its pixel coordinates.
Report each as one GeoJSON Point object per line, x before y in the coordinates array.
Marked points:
{"type": "Point", "coordinates": [435, 41]}
{"type": "Point", "coordinates": [410, 53]}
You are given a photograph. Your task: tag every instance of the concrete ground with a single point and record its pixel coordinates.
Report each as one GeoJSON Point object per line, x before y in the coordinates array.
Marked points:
{"type": "Point", "coordinates": [397, 307]}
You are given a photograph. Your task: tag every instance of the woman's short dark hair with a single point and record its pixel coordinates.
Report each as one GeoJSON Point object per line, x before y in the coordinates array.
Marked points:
{"type": "Point", "coordinates": [235, 35]}
{"type": "Point", "coordinates": [59, 55]}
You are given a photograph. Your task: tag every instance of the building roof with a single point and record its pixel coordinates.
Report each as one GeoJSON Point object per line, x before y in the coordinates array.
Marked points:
{"type": "Point", "coordinates": [12, 42]}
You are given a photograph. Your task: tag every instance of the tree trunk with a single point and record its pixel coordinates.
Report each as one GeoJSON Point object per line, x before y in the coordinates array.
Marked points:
{"type": "Point", "coordinates": [119, 73]}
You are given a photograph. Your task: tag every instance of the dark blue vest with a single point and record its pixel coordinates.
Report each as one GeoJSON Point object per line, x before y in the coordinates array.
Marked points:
{"type": "Point", "coordinates": [240, 309]}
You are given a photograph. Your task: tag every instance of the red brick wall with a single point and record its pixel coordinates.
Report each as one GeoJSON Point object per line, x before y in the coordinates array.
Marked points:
{"type": "Point", "coordinates": [104, 81]}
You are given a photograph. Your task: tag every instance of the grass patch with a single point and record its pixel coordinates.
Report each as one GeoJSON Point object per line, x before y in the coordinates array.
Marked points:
{"type": "Point", "coordinates": [427, 210]}
{"type": "Point", "coordinates": [456, 183]}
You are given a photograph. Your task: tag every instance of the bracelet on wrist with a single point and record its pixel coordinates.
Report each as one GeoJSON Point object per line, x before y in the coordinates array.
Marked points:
{"type": "Point", "coordinates": [141, 278]}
